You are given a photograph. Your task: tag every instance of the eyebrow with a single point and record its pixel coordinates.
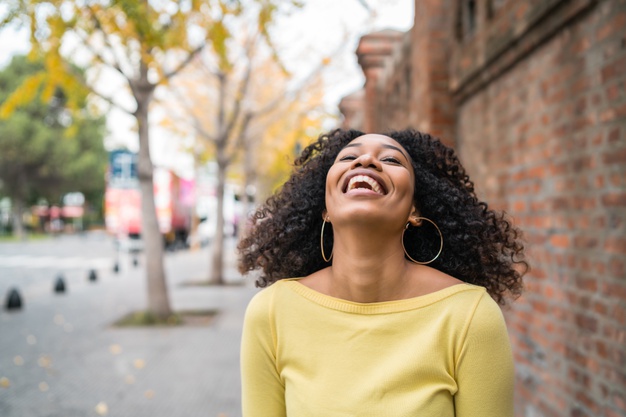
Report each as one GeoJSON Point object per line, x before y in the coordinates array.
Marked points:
{"type": "Point", "coordinates": [384, 145]}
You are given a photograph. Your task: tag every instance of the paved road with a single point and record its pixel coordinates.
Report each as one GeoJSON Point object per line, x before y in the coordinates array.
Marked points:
{"type": "Point", "coordinates": [60, 356]}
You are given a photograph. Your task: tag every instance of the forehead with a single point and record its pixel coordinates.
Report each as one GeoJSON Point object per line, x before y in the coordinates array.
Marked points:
{"type": "Point", "coordinates": [374, 139]}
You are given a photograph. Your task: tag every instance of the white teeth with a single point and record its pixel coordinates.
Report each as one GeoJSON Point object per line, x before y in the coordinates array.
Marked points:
{"type": "Point", "coordinates": [364, 178]}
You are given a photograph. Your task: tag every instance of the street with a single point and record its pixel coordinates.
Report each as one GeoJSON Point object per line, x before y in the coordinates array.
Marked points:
{"type": "Point", "coordinates": [60, 356]}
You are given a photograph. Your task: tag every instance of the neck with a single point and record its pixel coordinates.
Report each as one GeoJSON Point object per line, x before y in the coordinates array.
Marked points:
{"type": "Point", "coordinates": [368, 267]}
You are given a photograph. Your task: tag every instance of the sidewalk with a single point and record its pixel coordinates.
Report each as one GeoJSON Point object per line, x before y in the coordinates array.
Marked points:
{"type": "Point", "coordinates": [60, 357]}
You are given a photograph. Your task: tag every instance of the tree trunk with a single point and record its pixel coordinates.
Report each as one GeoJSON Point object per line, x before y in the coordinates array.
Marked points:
{"type": "Point", "coordinates": [217, 258]}
{"type": "Point", "coordinates": [158, 302]}
{"type": "Point", "coordinates": [216, 274]}
{"type": "Point", "coordinates": [18, 211]}
{"type": "Point", "coordinates": [249, 179]}
{"type": "Point", "coordinates": [195, 221]}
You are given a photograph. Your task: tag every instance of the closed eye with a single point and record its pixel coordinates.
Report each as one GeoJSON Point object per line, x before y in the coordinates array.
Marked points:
{"type": "Point", "coordinates": [391, 159]}
{"type": "Point", "coordinates": [348, 158]}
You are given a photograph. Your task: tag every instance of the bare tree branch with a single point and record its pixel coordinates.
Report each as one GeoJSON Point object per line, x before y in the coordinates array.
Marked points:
{"type": "Point", "coordinates": [205, 68]}
{"type": "Point", "coordinates": [182, 65]}
{"type": "Point", "coordinates": [195, 120]}
{"type": "Point", "coordinates": [243, 87]}
{"type": "Point", "coordinates": [365, 5]}
{"type": "Point", "coordinates": [110, 101]}
{"type": "Point", "coordinates": [239, 141]}
{"type": "Point", "coordinates": [98, 55]}
{"type": "Point", "coordinates": [79, 77]}
{"type": "Point", "coordinates": [295, 92]}
{"type": "Point", "coordinates": [240, 98]}
{"type": "Point", "coordinates": [222, 133]}
{"type": "Point", "coordinates": [107, 40]}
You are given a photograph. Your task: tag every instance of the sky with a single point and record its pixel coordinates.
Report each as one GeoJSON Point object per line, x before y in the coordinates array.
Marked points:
{"type": "Point", "coordinates": [323, 26]}
{"type": "Point", "coordinates": [320, 28]}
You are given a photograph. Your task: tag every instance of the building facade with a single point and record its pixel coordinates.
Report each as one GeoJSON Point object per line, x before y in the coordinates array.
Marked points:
{"type": "Point", "coordinates": [532, 95]}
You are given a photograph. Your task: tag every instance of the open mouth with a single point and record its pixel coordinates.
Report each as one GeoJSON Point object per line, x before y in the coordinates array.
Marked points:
{"type": "Point", "coordinates": [364, 182]}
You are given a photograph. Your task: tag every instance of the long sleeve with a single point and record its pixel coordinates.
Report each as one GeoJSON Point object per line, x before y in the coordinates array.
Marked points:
{"type": "Point", "coordinates": [485, 371]}
{"type": "Point", "coordinates": [263, 391]}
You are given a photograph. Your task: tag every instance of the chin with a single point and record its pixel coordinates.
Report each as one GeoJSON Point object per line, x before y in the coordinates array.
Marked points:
{"type": "Point", "coordinates": [364, 215]}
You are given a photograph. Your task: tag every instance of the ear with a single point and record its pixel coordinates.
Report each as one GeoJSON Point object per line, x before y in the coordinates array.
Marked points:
{"type": "Point", "coordinates": [414, 217]}
{"type": "Point", "coordinates": [325, 215]}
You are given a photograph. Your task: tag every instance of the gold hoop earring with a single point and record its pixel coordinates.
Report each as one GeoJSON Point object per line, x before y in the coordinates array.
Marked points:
{"type": "Point", "coordinates": [322, 244]}
{"type": "Point", "coordinates": [440, 246]}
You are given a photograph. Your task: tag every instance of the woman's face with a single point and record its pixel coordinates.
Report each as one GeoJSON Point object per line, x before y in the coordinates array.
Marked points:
{"type": "Point", "coordinates": [371, 180]}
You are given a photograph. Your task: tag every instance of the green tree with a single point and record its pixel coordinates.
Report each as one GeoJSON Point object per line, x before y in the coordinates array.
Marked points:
{"type": "Point", "coordinates": [146, 43]}
{"type": "Point", "coordinates": [45, 150]}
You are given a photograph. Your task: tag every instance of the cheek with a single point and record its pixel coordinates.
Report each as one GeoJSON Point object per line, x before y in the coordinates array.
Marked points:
{"type": "Point", "coordinates": [331, 178]}
{"type": "Point", "coordinates": [405, 181]}
{"type": "Point", "coordinates": [409, 188]}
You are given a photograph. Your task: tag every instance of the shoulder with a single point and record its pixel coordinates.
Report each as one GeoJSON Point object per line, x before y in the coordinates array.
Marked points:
{"type": "Point", "coordinates": [430, 280]}
{"type": "Point", "coordinates": [262, 303]}
{"type": "Point", "coordinates": [258, 319]}
{"type": "Point", "coordinates": [485, 318]}
{"type": "Point", "coordinates": [470, 308]}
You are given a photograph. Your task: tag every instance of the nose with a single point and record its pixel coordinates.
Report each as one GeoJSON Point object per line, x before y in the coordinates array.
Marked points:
{"type": "Point", "coordinates": [366, 160]}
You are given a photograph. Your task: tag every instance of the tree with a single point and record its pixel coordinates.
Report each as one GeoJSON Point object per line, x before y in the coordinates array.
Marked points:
{"type": "Point", "coordinates": [45, 150]}
{"type": "Point", "coordinates": [144, 42]}
{"type": "Point", "coordinates": [224, 101]}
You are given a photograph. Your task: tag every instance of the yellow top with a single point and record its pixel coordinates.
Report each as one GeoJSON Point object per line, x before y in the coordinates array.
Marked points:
{"type": "Point", "coordinates": [444, 354]}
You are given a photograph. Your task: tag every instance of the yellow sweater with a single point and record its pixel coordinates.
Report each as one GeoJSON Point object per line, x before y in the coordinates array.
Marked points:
{"type": "Point", "coordinates": [444, 354]}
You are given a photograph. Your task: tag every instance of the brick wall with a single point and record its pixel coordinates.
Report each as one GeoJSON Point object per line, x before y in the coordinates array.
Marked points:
{"type": "Point", "coordinates": [538, 93]}
{"type": "Point", "coordinates": [373, 51]}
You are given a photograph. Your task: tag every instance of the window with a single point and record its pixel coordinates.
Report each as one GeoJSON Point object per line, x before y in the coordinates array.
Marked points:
{"type": "Point", "coordinates": [466, 19]}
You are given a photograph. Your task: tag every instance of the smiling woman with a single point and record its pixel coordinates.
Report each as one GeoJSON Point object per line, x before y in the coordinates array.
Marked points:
{"type": "Point", "coordinates": [382, 258]}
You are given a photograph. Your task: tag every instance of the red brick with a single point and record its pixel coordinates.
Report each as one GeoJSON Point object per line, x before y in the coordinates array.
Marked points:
{"type": "Point", "coordinates": [599, 181]}
{"type": "Point", "coordinates": [614, 135]}
{"type": "Point", "coordinates": [614, 199]}
{"type": "Point", "coordinates": [615, 157]}
{"type": "Point", "coordinates": [615, 25]}
{"type": "Point", "coordinates": [589, 284]}
{"type": "Point", "coordinates": [613, 70]}
{"type": "Point", "coordinates": [560, 241]}
{"type": "Point", "coordinates": [600, 308]}
{"type": "Point", "coordinates": [608, 115]}
{"type": "Point", "coordinates": [540, 307]}
{"type": "Point", "coordinates": [586, 323]}
{"type": "Point", "coordinates": [613, 92]}
{"type": "Point", "coordinates": [615, 245]}
{"type": "Point", "coordinates": [617, 179]}
{"type": "Point", "coordinates": [619, 400]}
{"type": "Point", "coordinates": [619, 314]}
{"type": "Point", "coordinates": [601, 349]}
{"type": "Point", "coordinates": [519, 206]}
{"type": "Point", "coordinates": [585, 242]}
{"type": "Point", "coordinates": [616, 268]}
{"type": "Point", "coordinates": [580, 86]}
{"type": "Point", "coordinates": [617, 290]}
{"type": "Point", "coordinates": [582, 377]}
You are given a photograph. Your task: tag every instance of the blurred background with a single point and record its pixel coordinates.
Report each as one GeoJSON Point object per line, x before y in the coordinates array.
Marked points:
{"type": "Point", "coordinates": [137, 136]}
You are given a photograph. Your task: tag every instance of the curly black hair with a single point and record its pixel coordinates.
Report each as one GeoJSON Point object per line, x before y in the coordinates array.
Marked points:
{"type": "Point", "coordinates": [481, 247]}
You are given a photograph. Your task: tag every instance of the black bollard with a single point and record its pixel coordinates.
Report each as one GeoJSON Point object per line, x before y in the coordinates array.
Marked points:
{"type": "Point", "coordinates": [59, 285]}
{"type": "Point", "coordinates": [14, 300]}
{"type": "Point", "coordinates": [116, 267]}
{"type": "Point", "coordinates": [93, 277]}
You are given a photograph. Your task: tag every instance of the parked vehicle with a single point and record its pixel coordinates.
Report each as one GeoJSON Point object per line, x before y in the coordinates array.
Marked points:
{"type": "Point", "coordinates": [173, 198]}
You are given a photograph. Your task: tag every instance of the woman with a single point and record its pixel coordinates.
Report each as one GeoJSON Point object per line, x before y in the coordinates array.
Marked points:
{"type": "Point", "coordinates": [382, 262]}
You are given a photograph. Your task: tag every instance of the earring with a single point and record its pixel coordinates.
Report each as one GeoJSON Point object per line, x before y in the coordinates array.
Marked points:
{"type": "Point", "coordinates": [322, 244]}
{"type": "Point", "coordinates": [440, 246]}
